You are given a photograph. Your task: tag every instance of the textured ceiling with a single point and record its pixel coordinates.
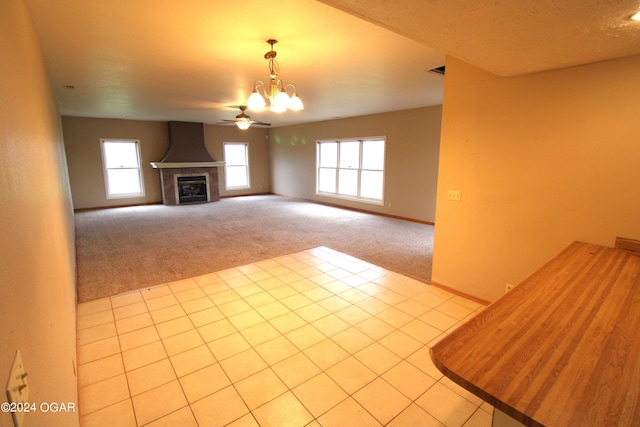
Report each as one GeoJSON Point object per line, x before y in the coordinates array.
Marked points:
{"type": "Point", "coordinates": [511, 37]}
{"type": "Point", "coordinates": [194, 60]}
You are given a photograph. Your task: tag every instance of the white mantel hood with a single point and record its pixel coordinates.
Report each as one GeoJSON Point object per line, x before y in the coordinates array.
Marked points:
{"type": "Point", "coordinates": [176, 165]}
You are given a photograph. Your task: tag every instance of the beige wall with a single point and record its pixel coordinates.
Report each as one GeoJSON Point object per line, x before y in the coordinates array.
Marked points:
{"type": "Point", "coordinates": [37, 265]}
{"type": "Point", "coordinates": [541, 160]}
{"type": "Point", "coordinates": [411, 159]}
{"type": "Point", "coordinates": [82, 142]}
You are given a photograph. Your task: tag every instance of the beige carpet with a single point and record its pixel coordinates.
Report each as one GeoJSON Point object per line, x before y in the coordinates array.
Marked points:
{"type": "Point", "coordinates": [128, 248]}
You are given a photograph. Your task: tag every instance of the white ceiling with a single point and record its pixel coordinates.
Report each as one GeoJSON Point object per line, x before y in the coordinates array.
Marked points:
{"type": "Point", "coordinates": [193, 60]}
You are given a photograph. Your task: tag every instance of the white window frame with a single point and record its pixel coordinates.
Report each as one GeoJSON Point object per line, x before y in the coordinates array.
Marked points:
{"type": "Point", "coordinates": [246, 165]}
{"type": "Point", "coordinates": [359, 170]}
{"type": "Point", "coordinates": [105, 170]}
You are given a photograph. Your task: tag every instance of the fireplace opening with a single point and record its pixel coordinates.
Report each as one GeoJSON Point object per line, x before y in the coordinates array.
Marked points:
{"type": "Point", "coordinates": [192, 189]}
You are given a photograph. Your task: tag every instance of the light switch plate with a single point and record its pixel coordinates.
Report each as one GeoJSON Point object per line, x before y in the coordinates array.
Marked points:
{"type": "Point", "coordinates": [17, 390]}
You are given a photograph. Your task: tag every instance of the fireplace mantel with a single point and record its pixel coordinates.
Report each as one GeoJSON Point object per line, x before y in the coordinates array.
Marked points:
{"type": "Point", "coordinates": [179, 165]}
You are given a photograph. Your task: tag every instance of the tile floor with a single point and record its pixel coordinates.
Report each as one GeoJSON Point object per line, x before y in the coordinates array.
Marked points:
{"type": "Point", "coordinates": [314, 338]}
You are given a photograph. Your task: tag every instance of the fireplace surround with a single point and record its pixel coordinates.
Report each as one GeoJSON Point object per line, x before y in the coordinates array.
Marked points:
{"type": "Point", "coordinates": [170, 179]}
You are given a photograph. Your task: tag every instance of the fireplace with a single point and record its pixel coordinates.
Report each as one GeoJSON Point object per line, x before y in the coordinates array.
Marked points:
{"type": "Point", "coordinates": [181, 184]}
{"type": "Point", "coordinates": [192, 189]}
{"type": "Point", "coordinates": [188, 173]}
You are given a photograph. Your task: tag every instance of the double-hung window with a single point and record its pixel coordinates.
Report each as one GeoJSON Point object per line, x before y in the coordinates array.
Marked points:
{"type": "Point", "coordinates": [236, 157]}
{"type": "Point", "coordinates": [121, 165]}
{"type": "Point", "coordinates": [351, 168]}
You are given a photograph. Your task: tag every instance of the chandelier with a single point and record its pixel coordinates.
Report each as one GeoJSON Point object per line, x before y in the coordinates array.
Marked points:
{"type": "Point", "coordinates": [276, 93]}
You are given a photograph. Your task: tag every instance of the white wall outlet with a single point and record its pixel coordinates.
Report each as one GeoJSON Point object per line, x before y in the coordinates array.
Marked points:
{"type": "Point", "coordinates": [454, 195]}
{"type": "Point", "coordinates": [17, 389]}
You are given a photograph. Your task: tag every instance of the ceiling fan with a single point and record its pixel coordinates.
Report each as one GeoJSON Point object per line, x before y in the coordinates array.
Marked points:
{"type": "Point", "coordinates": [243, 121]}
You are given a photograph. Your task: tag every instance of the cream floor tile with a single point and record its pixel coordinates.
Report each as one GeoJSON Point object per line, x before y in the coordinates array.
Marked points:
{"type": "Point", "coordinates": [276, 350]}
{"type": "Point", "coordinates": [479, 419]}
{"type": "Point", "coordinates": [219, 408]}
{"type": "Point", "coordinates": [218, 329]}
{"type": "Point", "coordinates": [204, 382]}
{"type": "Point", "coordinates": [117, 415]}
{"type": "Point", "coordinates": [234, 307]}
{"type": "Point", "coordinates": [319, 394]}
{"type": "Point", "coordinates": [138, 338]}
{"type": "Point", "coordinates": [326, 353]}
{"type": "Point", "coordinates": [272, 310]}
{"type": "Point", "coordinates": [296, 369]}
{"type": "Point", "coordinates": [132, 323]}
{"type": "Point", "coordinates": [228, 346]}
{"type": "Point", "coordinates": [155, 292]}
{"type": "Point", "coordinates": [126, 299]}
{"type": "Point", "coordinates": [182, 285]}
{"type": "Point", "coordinates": [454, 310]}
{"type": "Point", "coordinates": [96, 333]}
{"type": "Point", "coordinates": [287, 322]}
{"type": "Point", "coordinates": [158, 402]}
{"type": "Point", "coordinates": [421, 331]}
{"type": "Point", "coordinates": [260, 333]}
{"type": "Point", "coordinates": [260, 388]}
{"type": "Point", "coordinates": [284, 410]}
{"type": "Point", "coordinates": [130, 310]}
{"type": "Point", "coordinates": [260, 298]}
{"type": "Point", "coordinates": [143, 355]}
{"type": "Point", "coordinates": [400, 343]}
{"type": "Point", "coordinates": [167, 313]}
{"type": "Point", "coordinates": [197, 304]}
{"type": "Point", "coordinates": [312, 312]}
{"type": "Point", "coordinates": [99, 370]}
{"type": "Point", "coordinates": [349, 410]}
{"type": "Point", "coordinates": [103, 394]}
{"type": "Point", "coordinates": [94, 319]}
{"type": "Point", "coordinates": [446, 406]}
{"type": "Point", "coordinates": [421, 359]}
{"type": "Point", "coordinates": [190, 294]}
{"type": "Point", "coordinates": [204, 317]}
{"type": "Point", "coordinates": [375, 328]}
{"type": "Point", "coordinates": [292, 337]}
{"type": "Point", "coordinates": [182, 342]}
{"type": "Point", "coordinates": [161, 302]}
{"type": "Point", "coordinates": [351, 374]}
{"type": "Point", "coordinates": [95, 306]}
{"type": "Point", "coordinates": [174, 327]}
{"type": "Point", "coordinates": [246, 319]}
{"type": "Point", "coordinates": [305, 336]}
{"type": "Point", "coordinates": [182, 417]}
{"type": "Point", "coordinates": [98, 349]}
{"type": "Point", "coordinates": [192, 360]}
{"type": "Point", "coordinates": [377, 358]}
{"type": "Point", "coordinates": [381, 400]}
{"type": "Point", "coordinates": [352, 340]}
{"type": "Point", "coordinates": [150, 376]}
{"type": "Point", "coordinates": [330, 325]}
{"type": "Point", "coordinates": [414, 416]}
{"type": "Point", "coordinates": [243, 365]}
{"type": "Point", "coordinates": [408, 379]}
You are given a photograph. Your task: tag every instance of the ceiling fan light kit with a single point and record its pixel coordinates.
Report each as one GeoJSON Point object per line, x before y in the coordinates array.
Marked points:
{"type": "Point", "coordinates": [276, 93]}
{"type": "Point", "coordinates": [243, 120]}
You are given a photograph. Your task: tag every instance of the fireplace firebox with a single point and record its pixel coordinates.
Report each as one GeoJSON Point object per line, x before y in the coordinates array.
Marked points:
{"type": "Point", "coordinates": [192, 189]}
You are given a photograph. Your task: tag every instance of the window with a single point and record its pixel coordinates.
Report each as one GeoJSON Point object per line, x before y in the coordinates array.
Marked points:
{"type": "Point", "coordinates": [122, 171]}
{"type": "Point", "coordinates": [351, 169]}
{"type": "Point", "coordinates": [236, 170]}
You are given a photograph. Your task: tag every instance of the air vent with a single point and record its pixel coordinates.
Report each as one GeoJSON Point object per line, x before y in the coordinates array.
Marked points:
{"type": "Point", "coordinates": [439, 70]}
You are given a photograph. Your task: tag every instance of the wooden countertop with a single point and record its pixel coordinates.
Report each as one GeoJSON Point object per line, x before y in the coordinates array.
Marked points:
{"type": "Point", "coordinates": [562, 348]}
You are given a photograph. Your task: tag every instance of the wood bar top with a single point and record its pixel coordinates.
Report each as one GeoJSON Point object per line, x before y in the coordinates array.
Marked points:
{"type": "Point", "coordinates": [562, 348]}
